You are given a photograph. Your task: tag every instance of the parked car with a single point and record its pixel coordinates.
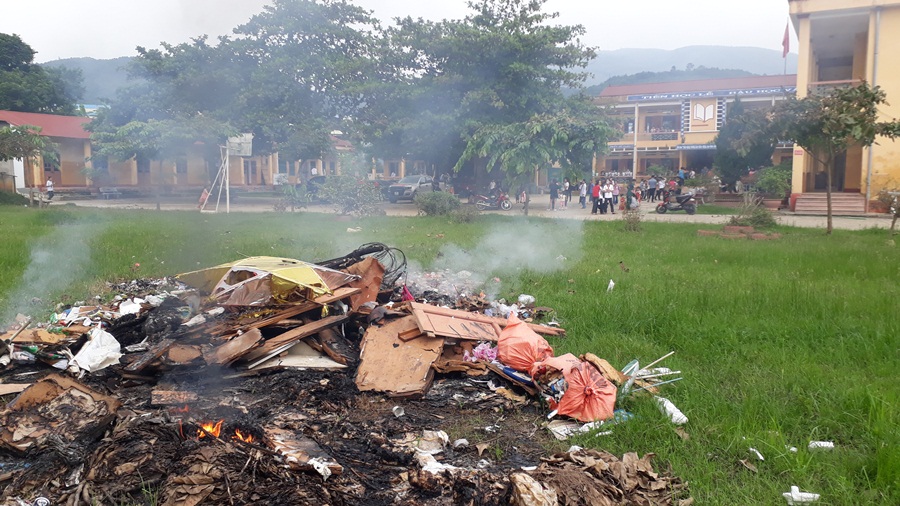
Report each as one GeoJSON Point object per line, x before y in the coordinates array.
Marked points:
{"type": "Point", "coordinates": [408, 187]}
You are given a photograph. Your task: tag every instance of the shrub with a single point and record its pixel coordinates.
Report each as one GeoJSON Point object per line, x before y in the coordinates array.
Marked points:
{"type": "Point", "coordinates": [12, 199]}
{"type": "Point", "coordinates": [290, 199]}
{"type": "Point", "coordinates": [774, 180]}
{"type": "Point", "coordinates": [349, 195]}
{"type": "Point", "coordinates": [632, 220]}
{"type": "Point", "coordinates": [752, 214]}
{"type": "Point", "coordinates": [465, 214]}
{"type": "Point", "coordinates": [436, 203]}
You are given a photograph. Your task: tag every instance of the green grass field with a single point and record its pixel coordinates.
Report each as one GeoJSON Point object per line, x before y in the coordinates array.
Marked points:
{"type": "Point", "coordinates": [780, 342]}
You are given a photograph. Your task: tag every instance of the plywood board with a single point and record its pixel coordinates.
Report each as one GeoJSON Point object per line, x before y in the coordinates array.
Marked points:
{"type": "Point", "coordinates": [12, 388]}
{"type": "Point", "coordinates": [439, 326]}
{"type": "Point", "coordinates": [371, 273]}
{"type": "Point", "coordinates": [170, 397]}
{"type": "Point", "coordinates": [300, 356]}
{"type": "Point", "coordinates": [399, 368]}
{"type": "Point", "coordinates": [281, 342]}
{"type": "Point", "coordinates": [234, 349]}
{"type": "Point", "coordinates": [433, 325]}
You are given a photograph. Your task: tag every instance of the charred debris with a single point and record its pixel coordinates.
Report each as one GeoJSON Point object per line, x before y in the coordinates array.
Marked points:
{"type": "Point", "coordinates": [278, 381]}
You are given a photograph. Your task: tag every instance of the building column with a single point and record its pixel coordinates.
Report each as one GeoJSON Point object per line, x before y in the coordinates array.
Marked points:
{"type": "Point", "coordinates": [634, 161]}
{"type": "Point", "coordinates": [403, 167]}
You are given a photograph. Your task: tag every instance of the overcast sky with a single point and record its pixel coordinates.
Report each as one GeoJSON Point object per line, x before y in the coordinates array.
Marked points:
{"type": "Point", "coordinates": [111, 28]}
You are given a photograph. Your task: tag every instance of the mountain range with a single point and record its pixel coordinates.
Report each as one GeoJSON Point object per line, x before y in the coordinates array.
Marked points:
{"type": "Point", "coordinates": [103, 77]}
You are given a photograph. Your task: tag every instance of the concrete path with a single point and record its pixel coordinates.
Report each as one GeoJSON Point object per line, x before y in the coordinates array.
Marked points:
{"type": "Point", "coordinates": [539, 207]}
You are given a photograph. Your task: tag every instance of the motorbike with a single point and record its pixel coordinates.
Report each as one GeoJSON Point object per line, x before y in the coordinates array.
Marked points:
{"type": "Point", "coordinates": [499, 201]}
{"type": "Point", "coordinates": [686, 203]}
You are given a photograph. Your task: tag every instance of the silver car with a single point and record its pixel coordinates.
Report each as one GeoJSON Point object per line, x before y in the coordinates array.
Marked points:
{"type": "Point", "coordinates": [408, 187]}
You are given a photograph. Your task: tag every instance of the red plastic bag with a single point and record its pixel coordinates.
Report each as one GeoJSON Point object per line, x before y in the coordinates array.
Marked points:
{"type": "Point", "coordinates": [588, 396]}
{"type": "Point", "coordinates": [520, 347]}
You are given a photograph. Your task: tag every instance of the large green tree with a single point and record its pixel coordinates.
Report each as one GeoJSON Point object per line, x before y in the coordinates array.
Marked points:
{"type": "Point", "coordinates": [826, 125]}
{"type": "Point", "coordinates": [503, 64]}
{"type": "Point", "coordinates": [28, 87]}
{"type": "Point", "coordinates": [736, 154]}
{"type": "Point", "coordinates": [24, 142]}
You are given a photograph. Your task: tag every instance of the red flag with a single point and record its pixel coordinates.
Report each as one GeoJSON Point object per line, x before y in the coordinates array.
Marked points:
{"type": "Point", "coordinates": [786, 43]}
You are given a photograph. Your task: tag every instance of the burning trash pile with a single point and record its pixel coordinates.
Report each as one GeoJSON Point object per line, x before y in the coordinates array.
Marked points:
{"type": "Point", "coordinates": [248, 383]}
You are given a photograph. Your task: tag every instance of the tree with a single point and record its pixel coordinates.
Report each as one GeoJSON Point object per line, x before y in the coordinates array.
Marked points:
{"type": "Point", "coordinates": [504, 63]}
{"type": "Point", "coordinates": [24, 142]}
{"type": "Point", "coordinates": [827, 125]}
{"type": "Point", "coordinates": [569, 138]}
{"type": "Point", "coordinates": [736, 152]}
{"type": "Point", "coordinates": [28, 87]}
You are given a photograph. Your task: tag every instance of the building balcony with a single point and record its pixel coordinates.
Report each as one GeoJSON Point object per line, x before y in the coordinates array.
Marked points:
{"type": "Point", "coordinates": [825, 87]}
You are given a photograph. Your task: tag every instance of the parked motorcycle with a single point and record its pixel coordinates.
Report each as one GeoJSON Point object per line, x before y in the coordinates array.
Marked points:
{"type": "Point", "coordinates": [485, 202]}
{"type": "Point", "coordinates": [686, 203]}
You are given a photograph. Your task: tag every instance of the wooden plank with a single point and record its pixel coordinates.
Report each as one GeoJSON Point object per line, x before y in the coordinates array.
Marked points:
{"type": "Point", "coordinates": [234, 349]}
{"type": "Point", "coordinates": [171, 397]}
{"type": "Point", "coordinates": [271, 346]}
{"type": "Point", "coordinates": [339, 294]}
{"type": "Point", "coordinates": [300, 356]}
{"type": "Point", "coordinates": [371, 274]}
{"type": "Point", "coordinates": [12, 388]}
{"type": "Point", "coordinates": [480, 318]}
{"type": "Point", "coordinates": [433, 325]}
{"type": "Point", "coordinates": [329, 340]}
{"type": "Point", "coordinates": [155, 351]}
{"type": "Point", "coordinates": [388, 364]}
{"type": "Point", "coordinates": [182, 354]}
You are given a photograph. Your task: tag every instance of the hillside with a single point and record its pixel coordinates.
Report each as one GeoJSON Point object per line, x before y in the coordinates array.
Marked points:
{"type": "Point", "coordinates": [633, 61]}
{"type": "Point", "coordinates": [670, 76]}
{"type": "Point", "coordinates": [101, 77]}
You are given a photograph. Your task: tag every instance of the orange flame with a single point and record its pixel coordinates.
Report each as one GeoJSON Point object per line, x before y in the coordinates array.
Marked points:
{"type": "Point", "coordinates": [214, 429]}
{"type": "Point", "coordinates": [247, 438]}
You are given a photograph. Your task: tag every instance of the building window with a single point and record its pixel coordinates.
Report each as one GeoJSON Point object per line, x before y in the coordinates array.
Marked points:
{"type": "Point", "coordinates": [283, 166]}
{"type": "Point", "coordinates": [331, 167]}
{"type": "Point", "coordinates": [292, 168]}
{"type": "Point", "coordinates": [181, 166]}
{"type": "Point", "coordinates": [51, 163]}
{"type": "Point", "coordinates": [143, 166]}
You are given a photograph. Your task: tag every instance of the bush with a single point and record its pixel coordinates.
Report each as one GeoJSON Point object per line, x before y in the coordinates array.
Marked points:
{"type": "Point", "coordinates": [754, 215]}
{"type": "Point", "coordinates": [465, 214]}
{"type": "Point", "coordinates": [632, 220]}
{"type": "Point", "coordinates": [436, 203]}
{"type": "Point", "coordinates": [774, 180]}
{"type": "Point", "coordinates": [290, 199]}
{"type": "Point", "coordinates": [12, 199]}
{"type": "Point", "coordinates": [350, 196]}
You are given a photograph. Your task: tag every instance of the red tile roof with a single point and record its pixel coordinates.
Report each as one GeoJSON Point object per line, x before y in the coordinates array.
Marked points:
{"type": "Point", "coordinates": [71, 127]}
{"type": "Point", "coordinates": [733, 83]}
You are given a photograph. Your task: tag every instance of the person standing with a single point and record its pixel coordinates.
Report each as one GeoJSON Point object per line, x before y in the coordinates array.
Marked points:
{"type": "Point", "coordinates": [608, 195]}
{"type": "Point", "coordinates": [582, 193]}
{"type": "Point", "coordinates": [651, 189]}
{"type": "Point", "coordinates": [554, 195]}
{"type": "Point", "coordinates": [567, 192]}
{"type": "Point", "coordinates": [49, 187]}
{"type": "Point", "coordinates": [595, 196]}
{"type": "Point", "coordinates": [615, 192]}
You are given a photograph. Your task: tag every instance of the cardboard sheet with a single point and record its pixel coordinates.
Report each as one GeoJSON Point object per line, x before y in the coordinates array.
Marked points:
{"type": "Point", "coordinates": [399, 368]}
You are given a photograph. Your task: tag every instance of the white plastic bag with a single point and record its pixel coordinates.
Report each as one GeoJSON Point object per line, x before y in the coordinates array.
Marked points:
{"type": "Point", "coordinates": [101, 351]}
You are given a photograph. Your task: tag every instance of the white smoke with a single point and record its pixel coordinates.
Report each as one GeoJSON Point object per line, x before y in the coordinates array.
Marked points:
{"type": "Point", "coordinates": [56, 260]}
{"type": "Point", "coordinates": [504, 252]}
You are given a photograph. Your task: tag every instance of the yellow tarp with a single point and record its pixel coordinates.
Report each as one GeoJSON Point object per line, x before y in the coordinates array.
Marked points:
{"type": "Point", "coordinates": [265, 280]}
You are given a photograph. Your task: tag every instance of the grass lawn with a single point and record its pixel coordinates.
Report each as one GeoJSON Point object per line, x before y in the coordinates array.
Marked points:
{"type": "Point", "coordinates": [715, 209]}
{"type": "Point", "coordinates": [780, 342]}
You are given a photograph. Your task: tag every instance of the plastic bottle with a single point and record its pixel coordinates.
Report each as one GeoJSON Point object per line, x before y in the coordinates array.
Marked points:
{"type": "Point", "coordinates": [821, 445]}
{"type": "Point", "coordinates": [670, 410]}
{"type": "Point", "coordinates": [795, 496]}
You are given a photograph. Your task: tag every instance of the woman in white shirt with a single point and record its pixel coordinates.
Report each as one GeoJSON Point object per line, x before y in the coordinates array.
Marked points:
{"type": "Point", "coordinates": [608, 195]}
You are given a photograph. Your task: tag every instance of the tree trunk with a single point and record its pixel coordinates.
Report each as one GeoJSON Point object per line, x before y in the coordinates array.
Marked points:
{"type": "Point", "coordinates": [828, 179]}
{"type": "Point", "coordinates": [527, 201]}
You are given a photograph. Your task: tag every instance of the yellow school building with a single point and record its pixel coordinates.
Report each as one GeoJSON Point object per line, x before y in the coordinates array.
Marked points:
{"type": "Point", "coordinates": [674, 125]}
{"type": "Point", "coordinates": [842, 43]}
